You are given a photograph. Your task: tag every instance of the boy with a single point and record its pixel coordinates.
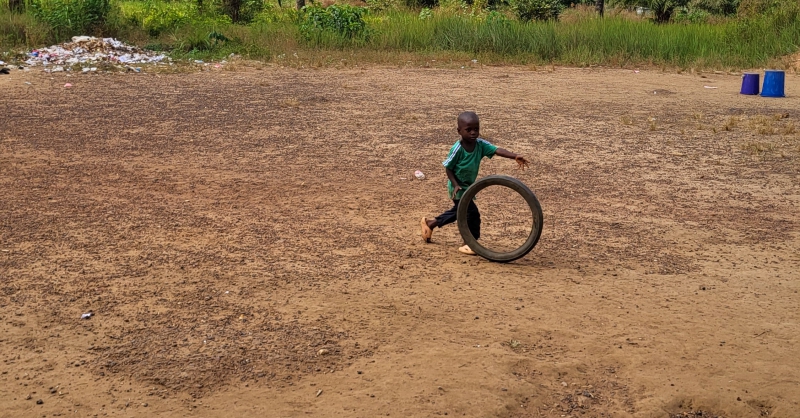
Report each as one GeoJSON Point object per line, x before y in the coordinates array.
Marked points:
{"type": "Point", "coordinates": [462, 165]}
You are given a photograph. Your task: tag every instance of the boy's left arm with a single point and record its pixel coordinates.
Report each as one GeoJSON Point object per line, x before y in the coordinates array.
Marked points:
{"type": "Point", "coordinates": [521, 161]}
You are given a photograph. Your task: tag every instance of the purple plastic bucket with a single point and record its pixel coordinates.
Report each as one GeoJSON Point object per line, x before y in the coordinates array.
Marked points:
{"type": "Point", "coordinates": [750, 83]}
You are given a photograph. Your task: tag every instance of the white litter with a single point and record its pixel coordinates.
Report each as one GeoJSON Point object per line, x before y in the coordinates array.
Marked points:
{"type": "Point", "coordinates": [89, 50]}
{"type": "Point", "coordinates": [419, 175]}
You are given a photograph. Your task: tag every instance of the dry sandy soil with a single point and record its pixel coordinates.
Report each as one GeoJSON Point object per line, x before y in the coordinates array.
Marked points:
{"type": "Point", "coordinates": [248, 242]}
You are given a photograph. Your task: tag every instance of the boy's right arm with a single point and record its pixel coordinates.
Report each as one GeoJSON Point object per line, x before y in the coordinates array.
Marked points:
{"type": "Point", "coordinates": [452, 176]}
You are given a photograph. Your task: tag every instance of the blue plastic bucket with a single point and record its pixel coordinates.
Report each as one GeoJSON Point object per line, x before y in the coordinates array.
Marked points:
{"type": "Point", "coordinates": [750, 83]}
{"type": "Point", "coordinates": [773, 83]}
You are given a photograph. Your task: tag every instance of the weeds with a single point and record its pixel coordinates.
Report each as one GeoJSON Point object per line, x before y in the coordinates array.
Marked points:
{"type": "Point", "coordinates": [344, 21]}
{"type": "Point", "coordinates": [763, 125]}
{"type": "Point", "coordinates": [757, 148]}
{"type": "Point", "coordinates": [651, 126]}
{"type": "Point", "coordinates": [767, 129]}
{"type": "Point", "coordinates": [66, 18]}
{"type": "Point", "coordinates": [730, 123]}
{"type": "Point", "coordinates": [780, 116]}
{"type": "Point", "coordinates": [291, 102]}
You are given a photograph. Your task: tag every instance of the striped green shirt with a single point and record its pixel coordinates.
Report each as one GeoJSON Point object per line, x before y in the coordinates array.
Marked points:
{"type": "Point", "coordinates": [465, 165]}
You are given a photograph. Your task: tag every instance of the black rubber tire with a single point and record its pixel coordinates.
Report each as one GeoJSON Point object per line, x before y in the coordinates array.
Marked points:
{"type": "Point", "coordinates": [529, 197]}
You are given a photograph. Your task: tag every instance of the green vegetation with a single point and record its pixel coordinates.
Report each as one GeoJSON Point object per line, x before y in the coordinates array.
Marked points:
{"type": "Point", "coordinates": [70, 16]}
{"type": "Point", "coordinates": [699, 33]}
{"type": "Point", "coordinates": [528, 10]}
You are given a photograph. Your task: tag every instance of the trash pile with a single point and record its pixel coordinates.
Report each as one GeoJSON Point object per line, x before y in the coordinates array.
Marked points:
{"type": "Point", "coordinates": [86, 50]}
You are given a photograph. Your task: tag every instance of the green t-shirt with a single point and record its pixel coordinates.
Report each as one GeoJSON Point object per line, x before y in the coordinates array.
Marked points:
{"type": "Point", "coordinates": [465, 165]}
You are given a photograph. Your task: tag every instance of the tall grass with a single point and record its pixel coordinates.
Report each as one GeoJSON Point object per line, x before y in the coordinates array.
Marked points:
{"type": "Point", "coordinates": [20, 29]}
{"type": "Point", "coordinates": [611, 41]}
{"type": "Point", "coordinates": [70, 17]}
{"type": "Point", "coordinates": [458, 33]}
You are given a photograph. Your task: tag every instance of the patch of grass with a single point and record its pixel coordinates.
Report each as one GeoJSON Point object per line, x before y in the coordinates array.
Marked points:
{"type": "Point", "coordinates": [291, 102]}
{"type": "Point", "coordinates": [65, 18]}
{"type": "Point", "coordinates": [763, 125]}
{"type": "Point", "coordinates": [730, 123]}
{"type": "Point", "coordinates": [767, 129]}
{"type": "Point", "coordinates": [18, 29]}
{"type": "Point", "coordinates": [757, 148]}
{"type": "Point", "coordinates": [515, 345]}
{"type": "Point", "coordinates": [626, 120]}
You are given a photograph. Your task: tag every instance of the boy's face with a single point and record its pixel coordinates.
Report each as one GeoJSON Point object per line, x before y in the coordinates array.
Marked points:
{"type": "Point", "coordinates": [469, 129]}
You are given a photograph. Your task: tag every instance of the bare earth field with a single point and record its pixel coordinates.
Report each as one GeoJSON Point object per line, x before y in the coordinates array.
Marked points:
{"type": "Point", "coordinates": [248, 242]}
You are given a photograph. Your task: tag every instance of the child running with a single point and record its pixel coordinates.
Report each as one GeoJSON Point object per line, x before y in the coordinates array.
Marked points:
{"type": "Point", "coordinates": [462, 165]}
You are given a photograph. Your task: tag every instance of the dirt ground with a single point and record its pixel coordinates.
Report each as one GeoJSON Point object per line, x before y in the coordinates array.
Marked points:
{"type": "Point", "coordinates": [248, 242]}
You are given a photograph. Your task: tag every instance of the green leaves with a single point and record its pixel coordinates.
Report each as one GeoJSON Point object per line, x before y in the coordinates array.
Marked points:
{"type": "Point", "coordinates": [662, 9]}
{"type": "Point", "coordinates": [157, 16]}
{"type": "Point", "coordinates": [70, 17]}
{"type": "Point", "coordinates": [528, 10]}
{"type": "Point", "coordinates": [344, 20]}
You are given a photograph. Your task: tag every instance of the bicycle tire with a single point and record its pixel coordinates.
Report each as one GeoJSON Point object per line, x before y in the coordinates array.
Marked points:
{"type": "Point", "coordinates": [530, 199]}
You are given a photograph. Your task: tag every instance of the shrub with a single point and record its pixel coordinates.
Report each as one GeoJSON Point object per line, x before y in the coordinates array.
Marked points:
{"type": "Point", "coordinates": [270, 13]}
{"type": "Point", "coordinates": [383, 5]}
{"type": "Point", "coordinates": [422, 3]}
{"type": "Point", "coordinates": [691, 16]}
{"type": "Point", "coordinates": [242, 11]}
{"type": "Point", "coordinates": [201, 41]}
{"type": "Point", "coordinates": [156, 16]}
{"type": "Point", "coordinates": [344, 20]}
{"type": "Point", "coordinates": [718, 7]}
{"type": "Point", "coordinates": [20, 29]}
{"type": "Point", "coordinates": [495, 17]}
{"type": "Point", "coordinates": [71, 17]}
{"type": "Point", "coordinates": [662, 9]}
{"type": "Point", "coordinates": [425, 13]}
{"type": "Point", "coordinates": [528, 10]}
{"type": "Point", "coordinates": [750, 8]}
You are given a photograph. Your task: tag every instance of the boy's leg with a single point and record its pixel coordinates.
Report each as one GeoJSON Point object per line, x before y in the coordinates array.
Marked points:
{"type": "Point", "coordinates": [474, 224]}
{"type": "Point", "coordinates": [447, 217]}
{"type": "Point", "coordinates": [474, 220]}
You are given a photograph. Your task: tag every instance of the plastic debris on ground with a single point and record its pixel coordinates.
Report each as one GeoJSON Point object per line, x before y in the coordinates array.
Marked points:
{"type": "Point", "coordinates": [419, 175]}
{"type": "Point", "coordinates": [84, 51]}
{"type": "Point", "coordinates": [87, 315]}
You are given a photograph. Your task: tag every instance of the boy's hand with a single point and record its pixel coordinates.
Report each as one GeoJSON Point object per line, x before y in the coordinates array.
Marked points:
{"type": "Point", "coordinates": [522, 163]}
{"type": "Point", "coordinates": [456, 189]}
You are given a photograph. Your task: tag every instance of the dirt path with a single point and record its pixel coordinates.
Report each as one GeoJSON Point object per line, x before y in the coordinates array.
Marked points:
{"type": "Point", "coordinates": [247, 239]}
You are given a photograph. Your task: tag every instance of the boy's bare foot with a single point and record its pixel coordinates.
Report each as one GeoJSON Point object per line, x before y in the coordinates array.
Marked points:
{"type": "Point", "coordinates": [466, 250]}
{"type": "Point", "coordinates": [427, 232]}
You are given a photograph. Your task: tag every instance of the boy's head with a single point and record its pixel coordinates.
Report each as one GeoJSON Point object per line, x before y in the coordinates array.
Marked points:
{"type": "Point", "coordinates": [469, 126]}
